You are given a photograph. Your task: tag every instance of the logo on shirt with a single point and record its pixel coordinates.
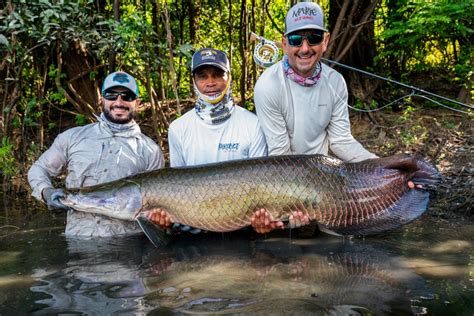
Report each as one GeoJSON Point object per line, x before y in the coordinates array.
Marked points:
{"type": "Point", "coordinates": [229, 147]}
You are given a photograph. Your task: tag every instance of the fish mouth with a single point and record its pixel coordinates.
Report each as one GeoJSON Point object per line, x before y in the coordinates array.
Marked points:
{"type": "Point", "coordinates": [123, 201]}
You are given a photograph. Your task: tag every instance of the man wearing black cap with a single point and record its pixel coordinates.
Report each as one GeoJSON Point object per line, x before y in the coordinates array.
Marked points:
{"type": "Point", "coordinates": [217, 129]}
{"type": "Point", "coordinates": [111, 148]}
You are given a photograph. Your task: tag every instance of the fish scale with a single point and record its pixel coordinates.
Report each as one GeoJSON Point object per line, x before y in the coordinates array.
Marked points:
{"type": "Point", "coordinates": [361, 198]}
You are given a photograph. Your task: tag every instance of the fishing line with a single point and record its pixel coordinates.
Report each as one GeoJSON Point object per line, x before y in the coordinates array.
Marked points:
{"type": "Point", "coordinates": [413, 88]}
{"type": "Point", "coordinates": [266, 53]}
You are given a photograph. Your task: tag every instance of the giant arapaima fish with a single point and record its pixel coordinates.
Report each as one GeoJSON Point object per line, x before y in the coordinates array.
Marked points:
{"type": "Point", "coordinates": [363, 198]}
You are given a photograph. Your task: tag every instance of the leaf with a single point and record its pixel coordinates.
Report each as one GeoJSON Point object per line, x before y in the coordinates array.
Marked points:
{"type": "Point", "coordinates": [4, 41]}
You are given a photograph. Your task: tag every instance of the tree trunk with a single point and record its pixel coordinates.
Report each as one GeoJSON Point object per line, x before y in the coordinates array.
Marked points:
{"type": "Point", "coordinates": [169, 39]}
{"type": "Point", "coordinates": [243, 50]}
{"type": "Point", "coordinates": [353, 43]}
{"type": "Point", "coordinates": [112, 53]}
{"type": "Point", "coordinates": [192, 35]}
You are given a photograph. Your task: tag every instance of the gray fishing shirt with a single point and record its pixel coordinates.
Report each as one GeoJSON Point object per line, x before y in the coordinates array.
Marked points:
{"type": "Point", "coordinates": [306, 120]}
{"type": "Point", "coordinates": [90, 155]}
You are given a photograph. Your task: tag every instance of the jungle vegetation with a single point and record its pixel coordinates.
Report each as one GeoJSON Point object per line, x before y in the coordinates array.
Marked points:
{"type": "Point", "coordinates": [55, 54]}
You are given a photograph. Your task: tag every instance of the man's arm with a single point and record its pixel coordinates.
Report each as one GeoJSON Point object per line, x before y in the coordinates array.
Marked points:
{"type": "Point", "coordinates": [341, 141]}
{"type": "Point", "coordinates": [258, 147]}
{"type": "Point", "coordinates": [271, 119]}
{"type": "Point", "coordinates": [50, 164]}
{"type": "Point", "coordinates": [176, 152]}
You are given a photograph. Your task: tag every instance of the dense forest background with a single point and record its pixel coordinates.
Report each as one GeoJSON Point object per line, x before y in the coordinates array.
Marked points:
{"type": "Point", "coordinates": [55, 54]}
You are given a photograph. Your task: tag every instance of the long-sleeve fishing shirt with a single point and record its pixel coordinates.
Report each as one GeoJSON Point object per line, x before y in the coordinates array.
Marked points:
{"type": "Point", "coordinates": [90, 155]}
{"type": "Point", "coordinates": [306, 120]}
{"type": "Point", "coordinates": [193, 141]}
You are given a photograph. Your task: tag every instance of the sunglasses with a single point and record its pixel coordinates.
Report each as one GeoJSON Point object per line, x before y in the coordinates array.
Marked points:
{"type": "Point", "coordinates": [113, 95]}
{"type": "Point", "coordinates": [297, 39]}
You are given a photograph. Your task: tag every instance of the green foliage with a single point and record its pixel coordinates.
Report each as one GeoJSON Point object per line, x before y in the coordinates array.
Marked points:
{"type": "Point", "coordinates": [424, 35]}
{"type": "Point", "coordinates": [80, 119]}
{"type": "Point", "coordinates": [407, 113]}
{"type": "Point", "coordinates": [7, 158]}
{"type": "Point", "coordinates": [413, 36]}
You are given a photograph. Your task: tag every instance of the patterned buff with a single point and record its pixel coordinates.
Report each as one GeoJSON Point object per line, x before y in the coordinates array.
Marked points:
{"type": "Point", "coordinates": [214, 110]}
{"type": "Point", "coordinates": [127, 129]}
{"type": "Point", "coordinates": [302, 81]}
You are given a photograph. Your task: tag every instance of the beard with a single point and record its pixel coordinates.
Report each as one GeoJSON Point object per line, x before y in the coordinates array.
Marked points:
{"type": "Point", "coordinates": [119, 120]}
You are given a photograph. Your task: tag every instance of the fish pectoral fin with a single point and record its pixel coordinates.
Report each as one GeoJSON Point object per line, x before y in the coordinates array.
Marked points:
{"type": "Point", "coordinates": [326, 230]}
{"type": "Point", "coordinates": [155, 233]}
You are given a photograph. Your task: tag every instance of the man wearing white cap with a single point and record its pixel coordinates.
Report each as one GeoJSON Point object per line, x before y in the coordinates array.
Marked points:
{"type": "Point", "coordinates": [302, 103]}
{"type": "Point", "coordinates": [109, 149]}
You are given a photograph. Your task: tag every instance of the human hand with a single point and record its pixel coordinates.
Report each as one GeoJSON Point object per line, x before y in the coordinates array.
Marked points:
{"type": "Point", "coordinates": [263, 223]}
{"type": "Point", "coordinates": [412, 185]}
{"type": "Point", "coordinates": [51, 196]}
{"type": "Point", "coordinates": [160, 217]}
{"type": "Point", "coordinates": [298, 219]}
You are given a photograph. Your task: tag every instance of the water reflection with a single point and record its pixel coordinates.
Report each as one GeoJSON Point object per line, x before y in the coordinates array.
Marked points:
{"type": "Point", "coordinates": [320, 276]}
{"type": "Point", "coordinates": [423, 269]}
{"type": "Point", "coordinates": [101, 276]}
{"type": "Point", "coordinates": [276, 276]}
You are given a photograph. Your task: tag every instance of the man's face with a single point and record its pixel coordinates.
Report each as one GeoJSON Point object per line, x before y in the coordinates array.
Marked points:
{"type": "Point", "coordinates": [210, 81]}
{"type": "Point", "coordinates": [121, 110]}
{"type": "Point", "coordinates": [303, 58]}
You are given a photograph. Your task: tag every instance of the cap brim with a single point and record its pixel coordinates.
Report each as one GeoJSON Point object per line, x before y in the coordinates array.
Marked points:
{"type": "Point", "coordinates": [307, 27]}
{"type": "Point", "coordinates": [211, 64]}
{"type": "Point", "coordinates": [115, 86]}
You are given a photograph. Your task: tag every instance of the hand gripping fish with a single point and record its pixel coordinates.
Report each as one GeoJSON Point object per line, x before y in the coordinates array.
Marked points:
{"type": "Point", "coordinates": [363, 198]}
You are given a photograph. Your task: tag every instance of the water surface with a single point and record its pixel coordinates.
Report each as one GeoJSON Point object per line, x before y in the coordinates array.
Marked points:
{"type": "Point", "coordinates": [423, 269]}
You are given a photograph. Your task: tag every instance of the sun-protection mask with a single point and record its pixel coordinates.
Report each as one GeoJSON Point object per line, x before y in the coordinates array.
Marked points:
{"type": "Point", "coordinates": [127, 96]}
{"type": "Point", "coordinates": [313, 39]}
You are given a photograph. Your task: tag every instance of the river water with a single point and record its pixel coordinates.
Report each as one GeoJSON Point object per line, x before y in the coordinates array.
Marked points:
{"type": "Point", "coordinates": [426, 268]}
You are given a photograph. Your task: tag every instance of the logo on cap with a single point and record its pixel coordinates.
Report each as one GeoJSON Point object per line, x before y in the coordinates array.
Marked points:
{"type": "Point", "coordinates": [121, 77]}
{"type": "Point", "coordinates": [304, 15]}
{"type": "Point", "coordinates": [208, 54]}
{"type": "Point", "coordinates": [305, 11]}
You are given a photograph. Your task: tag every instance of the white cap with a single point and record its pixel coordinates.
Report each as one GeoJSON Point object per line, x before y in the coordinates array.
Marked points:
{"type": "Point", "coordinates": [120, 79]}
{"type": "Point", "coordinates": [304, 16]}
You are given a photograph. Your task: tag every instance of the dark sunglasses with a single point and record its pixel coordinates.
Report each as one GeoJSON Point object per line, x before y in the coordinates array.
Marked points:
{"type": "Point", "coordinates": [297, 39]}
{"type": "Point", "coordinates": [113, 95]}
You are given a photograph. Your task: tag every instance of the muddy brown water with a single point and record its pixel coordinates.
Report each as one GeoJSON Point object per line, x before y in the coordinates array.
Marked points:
{"type": "Point", "coordinates": [425, 268]}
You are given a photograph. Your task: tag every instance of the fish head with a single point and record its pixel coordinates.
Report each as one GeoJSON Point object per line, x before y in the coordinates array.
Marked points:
{"type": "Point", "coordinates": [121, 201]}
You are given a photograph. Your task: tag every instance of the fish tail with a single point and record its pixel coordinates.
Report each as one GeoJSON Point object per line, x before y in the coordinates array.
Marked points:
{"type": "Point", "coordinates": [423, 172]}
{"type": "Point", "coordinates": [409, 207]}
{"type": "Point", "coordinates": [427, 174]}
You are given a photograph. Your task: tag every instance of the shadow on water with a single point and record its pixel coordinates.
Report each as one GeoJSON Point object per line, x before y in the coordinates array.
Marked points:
{"type": "Point", "coordinates": [424, 269]}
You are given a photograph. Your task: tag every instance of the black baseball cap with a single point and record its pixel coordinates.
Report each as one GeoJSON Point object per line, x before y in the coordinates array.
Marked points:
{"type": "Point", "coordinates": [211, 57]}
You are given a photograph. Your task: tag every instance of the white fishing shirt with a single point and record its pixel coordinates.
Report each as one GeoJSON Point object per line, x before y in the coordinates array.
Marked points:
{"type": "Point", "coordinates": [306, 120]}
{"type": "Point", "coordinates": [90, 155]}
{"type": "Point", "coordinates": [193, 141]}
